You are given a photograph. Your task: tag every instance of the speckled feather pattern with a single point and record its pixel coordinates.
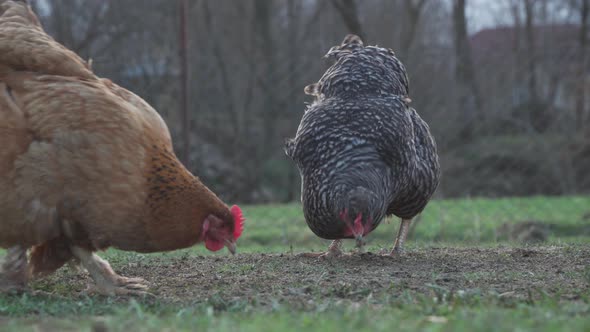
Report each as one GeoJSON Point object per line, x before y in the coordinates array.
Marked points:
{"type": "Point", "coordinates": [360, 141]}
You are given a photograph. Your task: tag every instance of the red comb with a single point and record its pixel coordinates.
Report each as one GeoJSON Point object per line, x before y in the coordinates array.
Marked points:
{"type": "Point", "coordinates": [238, 220]}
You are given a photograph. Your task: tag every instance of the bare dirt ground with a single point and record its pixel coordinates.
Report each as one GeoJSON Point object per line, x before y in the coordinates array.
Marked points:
{"type": "Point", "coordinates": [265, 278]}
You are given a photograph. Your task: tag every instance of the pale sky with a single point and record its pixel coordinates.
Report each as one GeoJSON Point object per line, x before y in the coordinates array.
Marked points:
{"type": "Point", "coordinates": [483, 14]}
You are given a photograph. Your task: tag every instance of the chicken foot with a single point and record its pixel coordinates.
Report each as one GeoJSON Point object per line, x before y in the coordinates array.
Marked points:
{"type": "Point", "coordinates": [14, 273]}
{"type": "Point", "coordinates": [398, 247]}
{"type": "Point", "coordinates": [107, 281]}
{"type": "Point", "coordinates": [334, 250]}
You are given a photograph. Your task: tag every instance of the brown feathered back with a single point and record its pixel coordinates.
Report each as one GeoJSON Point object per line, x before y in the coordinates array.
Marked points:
{"type": "Point", "coordinates": [85, 162]}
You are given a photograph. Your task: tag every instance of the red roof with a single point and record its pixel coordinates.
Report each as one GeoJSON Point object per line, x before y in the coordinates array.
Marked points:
{"type": "Point", "coordinates": [557, 40]}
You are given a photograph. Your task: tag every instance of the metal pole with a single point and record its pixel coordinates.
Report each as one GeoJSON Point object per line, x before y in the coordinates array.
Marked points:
{"type": "Point", "coordinates": [184, 112]}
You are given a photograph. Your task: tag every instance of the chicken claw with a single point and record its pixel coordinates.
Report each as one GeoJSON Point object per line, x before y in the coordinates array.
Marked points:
{"type": "Point", "coordinates": [122, 287]}
{"type": "Point", "coordinates": [395, 252]}
{"type": "Point", "coordinates": [333, 251]}
{"type": "Point", "coordinates": [398, 247]}
{"type": "Point", "coordinates": [107, 281]}
{"type": "Point", "coordinates": [14, 270]}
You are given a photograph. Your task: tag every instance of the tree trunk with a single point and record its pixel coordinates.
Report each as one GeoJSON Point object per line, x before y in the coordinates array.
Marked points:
{"type": "Point", "coordinates": [294, 55]}
{"type": "Point", "coordinates": [529, 9]}
{"type": "Point", "coordinates": [582, 72]}
{"type": "Point", "coordinates": [184, 113]}
{"type": "Point", "coordinates": [517, 72]}
{"type": "Point", "coordinates": [468, 96]}
{"type": "Point", "coordinates": [413, 10]}
{"type": "Point", "coordinates": [349, 12]}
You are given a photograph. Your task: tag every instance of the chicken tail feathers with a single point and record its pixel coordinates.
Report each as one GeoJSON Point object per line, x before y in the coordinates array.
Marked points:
{"type": "Point", "coordinates": [18, 11]}
{"type": "Point", "coordinates": [24, 46]}
{"type": "Point", "coordinates": [290, 148]}
{"type": "Point", "coordinates": [49, 256]}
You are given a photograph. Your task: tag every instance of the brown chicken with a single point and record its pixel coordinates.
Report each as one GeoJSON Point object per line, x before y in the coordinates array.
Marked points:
{"type": "Point", "coordinates": [86, 165]}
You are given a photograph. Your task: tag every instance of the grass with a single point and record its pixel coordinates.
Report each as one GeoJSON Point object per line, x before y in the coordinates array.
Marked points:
{"type": "Point", "coordinates": [457, 222]}
{"type": "Point", "coordinates": [440, 312]}
{"type": "Point", "coordinates": [281, 228]}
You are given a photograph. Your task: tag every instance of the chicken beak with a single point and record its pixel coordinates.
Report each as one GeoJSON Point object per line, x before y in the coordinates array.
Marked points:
{"type": "Point", "coordinates": [359, 240]}
{"type": "Point", "coordinates": [231, 246]}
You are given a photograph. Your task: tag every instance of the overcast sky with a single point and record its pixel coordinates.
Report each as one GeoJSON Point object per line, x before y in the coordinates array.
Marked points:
{"type": "Point", "coordinates": [485, 14]}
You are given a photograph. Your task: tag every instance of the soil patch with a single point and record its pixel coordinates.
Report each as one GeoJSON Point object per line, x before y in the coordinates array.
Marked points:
{"type": "Point", "coordinates": [267, 278]}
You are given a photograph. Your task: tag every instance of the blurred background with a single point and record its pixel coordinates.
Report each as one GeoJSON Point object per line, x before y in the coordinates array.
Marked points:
{"type": "Point", "coordinates": [504, 84]}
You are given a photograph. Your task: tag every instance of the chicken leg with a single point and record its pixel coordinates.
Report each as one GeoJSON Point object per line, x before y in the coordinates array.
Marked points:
{"type": "Point", "coordinates": [334, 250]}
{"type": "Point", "coordinates": [14, 273]}
{"type": "Point", "coordinates": [398, 247]}
{"type": "Point", "coordinates": [107, 281]}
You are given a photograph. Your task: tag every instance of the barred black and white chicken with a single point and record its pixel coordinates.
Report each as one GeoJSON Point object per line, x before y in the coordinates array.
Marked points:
{"type": "Point", "coordinates": [362, 151]}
